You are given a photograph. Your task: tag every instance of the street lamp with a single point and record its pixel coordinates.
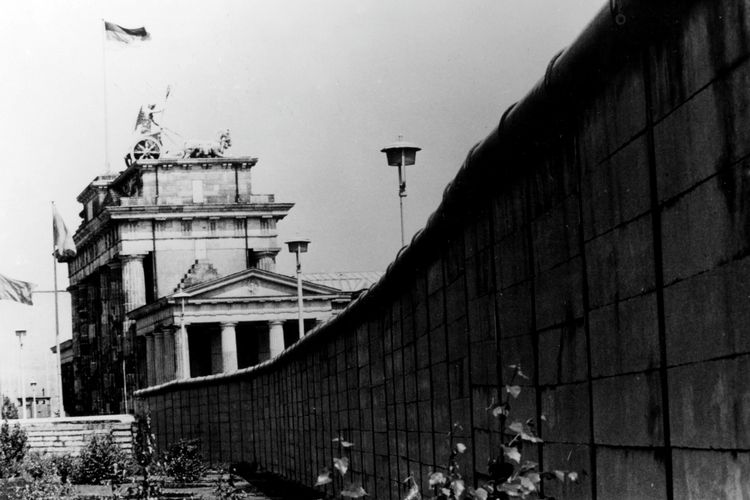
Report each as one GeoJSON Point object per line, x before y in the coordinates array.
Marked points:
{"type": "Point", "coordinates": [33, 398]}
{"type": "Point", "coordinates": [183, 367]}
{"type": "Point", "coordinates": [297, 247]}
{"type": "Point", "coordinates": [400, 154]}
{"type": "Point", "coordinates": [21, 334]}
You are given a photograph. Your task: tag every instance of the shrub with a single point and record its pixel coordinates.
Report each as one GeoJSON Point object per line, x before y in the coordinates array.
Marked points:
{"type": "Point", "coordinates": [39, 480]}
{"type": "Point", "coordinates": [64, 465]}
{"type": "Point", "coordinates": [183, 462]}
{"type": "Point", "coordinates": [9, 410]}
{"type": "Point", "coordinates": [13, 446]}
{"type": "Point", "coordinates": [36, 465]}
{"type": "Point", "coordinates": [145, 462]}
{"type": "Point", "coordinates": [101, 461]}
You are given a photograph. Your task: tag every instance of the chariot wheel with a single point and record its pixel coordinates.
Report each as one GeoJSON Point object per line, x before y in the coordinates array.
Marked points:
{"type": "Point", "coordinates": [146, 149]}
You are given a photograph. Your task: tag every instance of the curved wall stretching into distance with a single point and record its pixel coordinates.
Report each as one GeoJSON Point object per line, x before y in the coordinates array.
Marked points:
{"type": "Point", "coordinates": [599, 237]}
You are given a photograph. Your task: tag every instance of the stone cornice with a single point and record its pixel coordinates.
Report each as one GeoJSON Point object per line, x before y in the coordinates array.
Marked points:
{"type": "Point", "coordinates": [277, 210]}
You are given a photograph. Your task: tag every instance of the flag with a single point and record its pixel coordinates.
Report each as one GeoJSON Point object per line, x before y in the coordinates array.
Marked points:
{"type": "Point", "coordinates": [17, 290]}
{"type": "Point", "coordinates": [125, 35]}
{"type": "Point", "coordinates": [65, 249]}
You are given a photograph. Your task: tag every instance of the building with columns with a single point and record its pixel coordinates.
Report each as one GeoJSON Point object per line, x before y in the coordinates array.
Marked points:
{"type": "Point", "coordinates": [218, 324]}
{"type": "Point", "coordinates": [160, 226]}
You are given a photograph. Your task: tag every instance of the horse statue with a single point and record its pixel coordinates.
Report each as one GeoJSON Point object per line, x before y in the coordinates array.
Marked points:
{"type": "Point", "coordinates": [208, 149]}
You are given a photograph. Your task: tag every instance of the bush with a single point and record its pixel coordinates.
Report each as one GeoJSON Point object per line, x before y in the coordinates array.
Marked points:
{"type": "Point", "coordinates": [101, 461]}
{"type": "Point", "coordinates": [39, 480]}
{"type": "Point", "coordinates": [37, 466]}
{"type": "Point", "coordinates": [64, 465]}
{"type": "Point", "coordinates": [13, 446]}
{"type": "Point", "coordinates": [9, 410]}
{"type": "Point", "coordinates": [183, 462]}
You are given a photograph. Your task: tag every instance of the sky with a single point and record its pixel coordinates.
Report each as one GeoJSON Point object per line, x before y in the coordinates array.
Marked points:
{"type": "Point", "coordinates": [313, 89]}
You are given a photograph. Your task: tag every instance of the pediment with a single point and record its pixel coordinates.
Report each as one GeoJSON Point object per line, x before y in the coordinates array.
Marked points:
{"type": "Point", "coordinates": [256, 283]}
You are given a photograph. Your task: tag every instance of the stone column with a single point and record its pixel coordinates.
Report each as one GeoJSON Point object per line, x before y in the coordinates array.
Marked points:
{"type": "Point", "coordinates": [150, 361]}
{"type": "Point", "coordinates": [228, 347]}
{"type": "Point", "coordinates": [169, 354]}
{"type": "Point", "coordinates": [182, 353]}
{"type": "Point", "coordinates": [275, 337]}
{"type": "Point", "coordinates": [266, 259]}
{"type": "Point", "coordinates": [133, 282]}
{"type": "Point", "coordinates": [159, 356]}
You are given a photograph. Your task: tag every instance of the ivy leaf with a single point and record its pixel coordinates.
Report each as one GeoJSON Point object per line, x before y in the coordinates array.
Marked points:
{"type": "Point", "coordinates": [534, 477]}
{"type": "Point", "coordinates": [516, 427]}
{"type": "Point", "coordinates": [343, 442]}
{"type": "Point", "coordinates": [527, 484]}
{"type": "Point", "coordinates": [436, 478]}
{"type": "Point", "coordinates": [573, 476]}
{"type": "Point", "coordinates": [446, 492]}
{"type": "Point", "coordinates": [458, 487]}
{"type": "Point", "coordinates": [460, 447]}
{"type": "Point", "coordinates": [511, 489]}
{"type": "Point", "coordinates": [528, 466]}
{"type": "Point", "coordinates": [353, 491]}
{"type": "Point", "coordinates": [513, 390]}
{"type": "Point", "coordinates": [480, 494]}
{"type": "Point", "coordinates": [560, 475]}
{"type": "Point", "coordinates": [323, 478]}
{"type": "Point", "coordinates": [413, 493]}
{"type": "Point", "coordinates": [512, 453]}
{"type": "Point", "coordinates": [341, 464]}
{"type": "Point", "coordinates": [501, 409]}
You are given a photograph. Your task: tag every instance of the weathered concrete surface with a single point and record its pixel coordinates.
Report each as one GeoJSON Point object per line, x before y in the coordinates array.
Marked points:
{"type": "Point", "coordinates": [600, 236]}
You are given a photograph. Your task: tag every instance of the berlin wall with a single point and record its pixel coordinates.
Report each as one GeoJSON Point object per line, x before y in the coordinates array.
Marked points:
{"type": "Point", "coordinates": [599, 237]}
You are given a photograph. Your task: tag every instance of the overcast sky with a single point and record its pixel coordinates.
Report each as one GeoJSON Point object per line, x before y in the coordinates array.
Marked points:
{"type": "Point", "coordinates": [314, 89]}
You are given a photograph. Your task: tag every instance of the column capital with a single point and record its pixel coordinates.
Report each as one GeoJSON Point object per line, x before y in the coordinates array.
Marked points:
{"type": "Point", "coordinates": [264, 252]}
{"type": "Point", "coordinates": [276, 322]}
{"type": "Point", "coordinates": [228, 324]}
{"type": "Point", "coordinates": [132, 256]}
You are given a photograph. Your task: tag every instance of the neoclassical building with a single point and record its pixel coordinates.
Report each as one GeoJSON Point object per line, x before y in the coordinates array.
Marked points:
{"type": "Point", "coordinates": [175, 277]}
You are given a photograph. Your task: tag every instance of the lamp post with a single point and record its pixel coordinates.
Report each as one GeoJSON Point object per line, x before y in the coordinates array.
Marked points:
{"type": "Point", "coordinates": [400, 154]}
{"type": "Point", "coordinates": [183, 354]}
{"type": "Point", "coordinates": [21, 334]}
{"type": "Point", "coordinates": [297, 247]}
{"type": "Point", "coordinates": [33, 398]}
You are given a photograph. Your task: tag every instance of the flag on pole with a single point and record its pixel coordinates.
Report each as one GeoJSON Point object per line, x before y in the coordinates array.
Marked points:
{"type": "Point", "coordinates": [65, 248]}
{"type": "Point", "coordinates": [17, 290]}
{"type": "Point", "coordinates": [125, 35]}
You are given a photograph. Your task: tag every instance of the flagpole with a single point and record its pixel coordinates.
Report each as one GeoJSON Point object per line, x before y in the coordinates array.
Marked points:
{"type": "Point", "coordinates": [57, 326]}
{"type": "Point", "coordinates": [104, 82]}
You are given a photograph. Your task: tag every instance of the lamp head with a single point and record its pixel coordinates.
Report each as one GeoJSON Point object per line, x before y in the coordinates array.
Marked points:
{"type": "Point", "coordinates": [298, 245]}
{"type": "Point", "coordinates": [401, 149]}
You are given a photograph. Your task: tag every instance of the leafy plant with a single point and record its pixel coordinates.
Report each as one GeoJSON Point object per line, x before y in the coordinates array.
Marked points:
{"type": "Point", "coordinates": [183, 461]}
{"type": "Point", "coordinates": [510, 476]}
{"type": "Point", "coordinates": [226, 489]}
{"type": "Point", "coordinates": [145, 460]}
{"type": "Point", "coordinates": [64, 465]}
{"type": "Point", "coordinates": [348, 489]}
{"type": "Point", "coordinates": [9, 410]}
{"type": "Point", "coordinates": [100, 462]}
{"type": "Point", "coordinates": [13, 447]}
{"type": "Point", "coordinates": [46, 487]}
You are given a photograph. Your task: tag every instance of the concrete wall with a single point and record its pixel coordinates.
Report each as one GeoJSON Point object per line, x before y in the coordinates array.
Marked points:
{"type": "Point", "coordinates": [599, 237]}
{"type": "Point", "coordinates": [62, 436]}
